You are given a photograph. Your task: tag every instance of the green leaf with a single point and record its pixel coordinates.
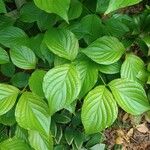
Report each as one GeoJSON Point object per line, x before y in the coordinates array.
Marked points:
{"type": "Point", "coordinates": [130, 96]}
{"type": "Point", "coordinates": [12, 36]}
{"type": "Point", "coordinates": [117, 4]}
{"type": "Point", "coordinates": [29, 12]}
{"type": "Point", "coordinates": [131, 67]}
{"type": "Point", "coordinates": [92, 26]}
{"type": "Point", "coordinates": [20, 79]}
{"type": "Point", "coordinates": [148, 81]}
{"type": "Point", "coordinates": [23, 57]}
{"type": "Point", "coordinates": [2, 7]}
{"type": "Point", "coordinates": [58, 7]}
{"type": "Point", "coordinates": [8, 69]}
{"type": "Point", "coordinates": [61, 86]}
{"type": "Point", "coordinates": [110, 69]}
{"type": "Point", "coordinates": [105, 50]}
{"type": "Point", "coordinates": [88, 74]}
{"type": "Point", "coordinates": [69, 135]}
{"type": "Point", "coordinates": [32, 113]}
{"type": "Point", "coordinates": [8, 96]}
{"type": "Point", "coordinates": [98, 147]}
{"type": "Point", "coordinates": [4, 58]}
{"type": "Point", "coordinates": [75, 9]}
{"type": "Point", "coordinates": [14, 144]}
{"type": "Point", "coordinates": [35, 82]}
{"type": "Point", "coordinates": [39, 141]}
{"type": "Point", "coordinates": [102, 5]}
{"type": "Point", "coordinates": [62, 42]}
{"type": "Point", "coordinates": [99, 110]}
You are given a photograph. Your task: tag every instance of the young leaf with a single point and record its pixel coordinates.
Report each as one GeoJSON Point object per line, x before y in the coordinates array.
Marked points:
{"type": "Point", "coordinates": [35, 82]}
{"type": "Point", "coordinates": [23, 57]}
{"type": "Point", "coordinates": [39, 141]}
{"type": "Point", "coordinates": [62, 42]}
{"type": "Point", "coordinates": [130, 96]}
{"type": "Point", "coordinates": [4, 58]}
{"type": "Point", "coordinates": [15, 144]}
{"type": "Point", "coordinates": [99, 110]}
{"type": "Point", "coordinates": [61, 86]}
{"type": "Point", "coordinates": [12, 36]}
{"type": "Point", "coordinates": [58, 7]}
{"type": "Point", "coordinates": [131, 67]}
{"type": "Point", "coordinates": [105, 50]}
{"type": "Point", "coordinates": [8, 96]}
{"type": "Point", "coordinates": [32, 113]}
{"type": "Point", "coordinates": [116, 4]}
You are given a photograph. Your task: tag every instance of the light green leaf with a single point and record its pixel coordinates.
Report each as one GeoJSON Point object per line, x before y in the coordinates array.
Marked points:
{"type": "Point", "coordinates": [105, 50]}
{"type": "Point", "coordinates": [98, 147]}
{"type": "Point", "coordinates": [32, 113]}
{"type": "Point", "coordinates": [88, 74]}
{"type": "Point", "coordinates": [58, 7]}
{"type": "Point", "coordinates": [4, 58]}
{"type": "Point", "coordinates": [2, 7]}
{"type": "Point", "coordinates": [14, 144]}
{"type": "Point", "coordinates": [39, 141]}
{"type": "Point", "coordinates": [62, 42]}
{"type": "Point", "coordinates": [61, 86]}
{"type": "Point", "coordinates": [35, 82]}
{"type": "Point", "coordinates": [130, 96]}
{"type": "Point", "coordinates": [23, 57]}
{"type": "Point", "coordinates": [12, 36]}
{"type": "Point", "coordinates": [117, 4]}
{"type": "Point", "coordinates": [148, 81]}
{"type": "Point", "coordinates": [110, 69]}
{"type": "Point", "coordinates": [131, 67]}
{"type": "Point", "coordinates": [8, 96]}
{"type": "Point", "coordinates": [99, 110]}
{"type": "Point", "coordinates": [75, 9]}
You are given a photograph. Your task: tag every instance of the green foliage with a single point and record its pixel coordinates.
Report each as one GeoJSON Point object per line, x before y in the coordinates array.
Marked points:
{"type": "Point", "coordinates": [67, 67]}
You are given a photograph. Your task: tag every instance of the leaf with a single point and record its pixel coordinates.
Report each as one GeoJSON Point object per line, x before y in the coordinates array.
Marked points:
{"type": "Point", "coordinates": [75, 9]}
{"type": "Point", "coordinates": [69, 135]}
{"type": "Point", "coordinates": [92, 26]}
{"type": "Point", "coordinates": [8, 96]}
{"type": "Point", "coordinates": [8, 69]}
{"type": "Point", "coordinates": [12, 36]}
{"type": "Point", "coordinates": [23, 57]}
{"type": "Point", "coordinates": [131, 67]}
{"type": "Point", "coordinates": [117, 4]}
{"type": "Point", "coordinates": [130, 96]}
{"type": "Point", "coordinates": [98, 147]}
{"type": "Point", "coordinates": [61, 86]}
{"type": "Point", "coordinates": [35, 82]}
{"type": "Point", "coordinates": [2, 7]}
{"type": "Point", "coordinates": [102, 5]}
{"type": "Point", "coordinates": [32, 113]}
{"type": "Point", "coordinates": [58, 7]}
{"type": "Point", "coordinates": [14, 144]}
{"type": "Point", "coordinates": [39, 141]}
{"type": "Point", "coordinates": [110, 69]}
{"type": "Point", "coordinates": [4, 58]}
{"type": "Point", "coordinates": [105, 50]}
{"type": "Point", "coordinates": [20, 79]}
{"type": "Point", "coordinates": [142, 128]}
{"type": "Point", "coordinates": [99, 110]}
{"type": "Point", "coordinates": [88, 74]}
{"type": "Point", "coordinates": [29, 12]}
{"type": "Point", "coordinates": [62, 42]}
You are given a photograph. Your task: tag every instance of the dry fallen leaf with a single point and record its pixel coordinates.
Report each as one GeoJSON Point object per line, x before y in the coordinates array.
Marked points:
{"type": "Point", "coordinates": [142, 128]}
{"type": "Point", "coordinates": [125, 117]}
{"type": "Point", "coordinates": [119, 140]}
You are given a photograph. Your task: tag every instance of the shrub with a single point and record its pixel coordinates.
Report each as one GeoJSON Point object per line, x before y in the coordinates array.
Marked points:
{"type": "Point", "coordinates": [66, 68]}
